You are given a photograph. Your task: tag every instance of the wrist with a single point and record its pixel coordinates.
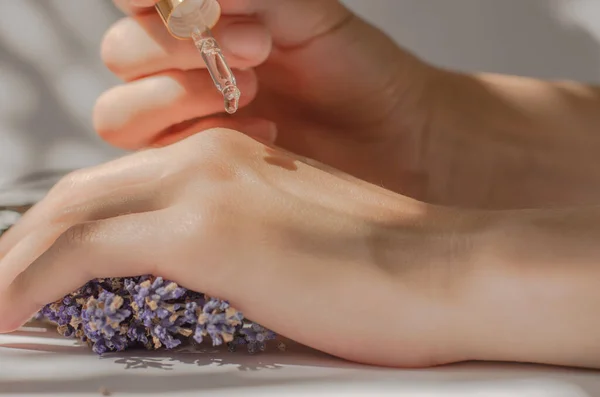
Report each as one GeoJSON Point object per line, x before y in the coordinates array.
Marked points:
{"type": "Point", "coordinates": [434, 255]}
{"type": "Point", "coordinates": [533, 292]}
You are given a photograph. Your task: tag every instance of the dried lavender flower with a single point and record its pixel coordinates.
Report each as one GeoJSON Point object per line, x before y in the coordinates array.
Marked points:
{"type": "Point", "coordinates": [102, 320]}
{"type": "Point", "coordinates": [256, 336]}
{"type": "Point", "coordinates": [115, 314]}
{"type": "Point", "coordinates": [219, 321]}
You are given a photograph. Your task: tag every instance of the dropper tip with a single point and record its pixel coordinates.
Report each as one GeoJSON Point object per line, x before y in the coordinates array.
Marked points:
{"type": "Point", "coordinates": [231, 96]}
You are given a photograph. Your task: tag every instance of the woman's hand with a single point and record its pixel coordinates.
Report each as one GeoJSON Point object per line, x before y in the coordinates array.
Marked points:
{"type": "Point", "coordinates": [330, 86]}
{"type": "Point", "coordinates": [317, 256]}
{"type": "Point", "coordinates": [320, 257]}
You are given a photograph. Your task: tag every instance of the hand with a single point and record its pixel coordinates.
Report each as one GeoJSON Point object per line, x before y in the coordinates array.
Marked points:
{"type": "Point", "coordinates": [315, 255]}
{"type": "Point", "coordinates": [339, 91]}
{"type": "Point", "coordinates": [329, 85]}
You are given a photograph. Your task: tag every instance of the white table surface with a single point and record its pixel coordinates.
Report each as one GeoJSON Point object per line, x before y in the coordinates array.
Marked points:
{"type": "Point", "coordinates": [42, 364]}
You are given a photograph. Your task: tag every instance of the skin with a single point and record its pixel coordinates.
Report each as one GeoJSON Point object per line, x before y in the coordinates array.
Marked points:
{"type": "Point", "coordinates": [372, 109]}
{"type": "Point", "coordinates": [249, 223]}
{"type": "Point", "coordinates": [440, 196]}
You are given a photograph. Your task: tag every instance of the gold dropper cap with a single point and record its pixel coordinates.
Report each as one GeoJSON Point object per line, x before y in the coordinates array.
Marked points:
{"type": "Point", "coordinates": [181, 17]}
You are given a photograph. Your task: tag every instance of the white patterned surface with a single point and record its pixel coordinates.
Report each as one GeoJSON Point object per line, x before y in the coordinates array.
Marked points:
{"type": "Point", "coordinates": [40, 364]}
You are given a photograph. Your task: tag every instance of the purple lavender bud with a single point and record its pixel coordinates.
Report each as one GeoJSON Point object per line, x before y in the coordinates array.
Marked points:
{"type": "Point", "coordinates": [190, 315]}
{"type": "Point", "coordinates": [137, 334]}
{"type": "Point", "coordinates": [102, 318]}
{"type": "Point", "coordinates": [99, 347]}
{"type": "Point", "coordinates": [257, 333]}
{"type": "Point", "coordinates": [167, 290]}
{"type": "Point", "coordinates": [63, 316]}
{"type": "Point", "coordinates": [211, 305]}
{"type": "Point", "coordinates": [256, 336]}
{"type": "Point", "coordinates": [166, 337]}
{"type": "Point", "coordinates": [219, 321]}
{"type": "Point", "coordinates": [49, 312]}
{"type": "Point", "coordinates": [162, 313]}
{"type": "Point", "coordinates": [163, 319]}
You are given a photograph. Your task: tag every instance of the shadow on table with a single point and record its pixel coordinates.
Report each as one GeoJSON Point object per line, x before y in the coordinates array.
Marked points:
{"type": "Point", "coordinates": [273, 359]}
{"type": "Point", "coordinates": [144, 384]}
{"type": "Point", "coordinates": [139, 374]}
{"type": "Point", "coordinates": [171, 372]}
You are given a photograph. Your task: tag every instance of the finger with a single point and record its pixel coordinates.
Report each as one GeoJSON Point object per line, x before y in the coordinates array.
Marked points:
{"type": "Point", "coordinates": [128, 245]}
{"type": "Point", "coordinates": [141, 46]}
{"type": "Point", "coordinates": [36, 233]}
{"type": "Point", "coordinates": [131, 174]}
{"type": "Point", "coordinates": [130, 116]}
{"type": "Point", "coordinates": [262, 130]}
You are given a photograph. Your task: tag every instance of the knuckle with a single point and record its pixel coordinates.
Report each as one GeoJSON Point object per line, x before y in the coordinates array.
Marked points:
{"type": "Point", "coordinates": [103, 117]}
{"type": "Point", "coordinates": [207, 223]}
{"type": "Point", "coordinates": [221, 144]}
{"type": "Point", "coordinates": [69, 184]}
{"type": "Point", "coordinates": [76, 179]}
{"type": "Point", "coordinates": [77, 235]}
{"type": "Point", "coordinates": [219, 139]}
{"type": "Point", "coordinates": [65, 196]}
{"type": "Point", "coordinates": [214, 153]}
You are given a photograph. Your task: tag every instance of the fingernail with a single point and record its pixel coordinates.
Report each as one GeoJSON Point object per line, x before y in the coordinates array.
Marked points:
{"type": "Point", "coordinates": [247, 40]}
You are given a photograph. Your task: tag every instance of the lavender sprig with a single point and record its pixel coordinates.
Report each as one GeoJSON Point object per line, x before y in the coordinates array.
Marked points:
{"type": "Point", "coordinates": [102, 321]}
{"type": "Point", "coordinates": [113, 315]}
{"type": "Point", "coordinates": [219, 321]}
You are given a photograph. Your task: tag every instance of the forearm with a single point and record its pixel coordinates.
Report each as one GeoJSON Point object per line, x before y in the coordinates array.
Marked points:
{"type": "Point", "coordinates": [527, 109]}
{"type": "Point", "coordinates": [535, 137]}
{"type": "Point", "coordinates": [535, 292]}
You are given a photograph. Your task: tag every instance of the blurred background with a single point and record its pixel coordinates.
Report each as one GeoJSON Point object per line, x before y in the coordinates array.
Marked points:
{"type": "Point", "coordinates": [51, 73]}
